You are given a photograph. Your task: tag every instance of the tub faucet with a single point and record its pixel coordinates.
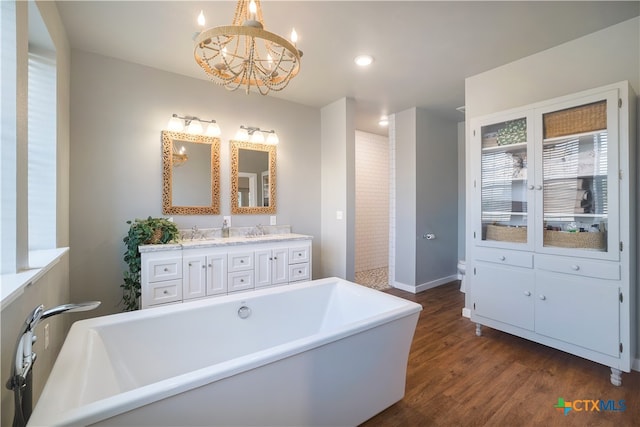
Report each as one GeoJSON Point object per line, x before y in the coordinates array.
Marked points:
{"type": "Point", "coordinates": [20, 380]}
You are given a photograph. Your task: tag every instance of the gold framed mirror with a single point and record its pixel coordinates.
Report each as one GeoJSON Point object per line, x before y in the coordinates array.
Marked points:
{"type": "Point", "coordinates": [190, 174]}
{"type": "Point", "coordinates": [253, 178]}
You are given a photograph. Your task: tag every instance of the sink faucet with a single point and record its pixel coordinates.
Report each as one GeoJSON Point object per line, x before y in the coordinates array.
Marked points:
{"type": "Point", "coordinates": [194, 232]}
{"type": "Point", "coordinates": [20, 380]}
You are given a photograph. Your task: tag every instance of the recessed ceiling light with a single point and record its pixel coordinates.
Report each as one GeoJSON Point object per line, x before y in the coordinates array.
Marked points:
{"type": "Point", "coordinates": [384, 121]}
{"type": "Point", "coordinates": [363, 60]}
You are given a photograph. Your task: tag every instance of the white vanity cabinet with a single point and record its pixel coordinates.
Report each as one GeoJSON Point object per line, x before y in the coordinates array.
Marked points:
{"type": "Point", "coordinates": [553, 254]}
{"type": "Point", "coordinates": [201, 269]}
{"type": "Point", "coordinates": [241, 270]}
{"type": "Point", "coordinates": [162, 275]}
{"type": "Point", "coordinates": [272, 266]}
{"type": "Point", "coordinates": [204, 273]}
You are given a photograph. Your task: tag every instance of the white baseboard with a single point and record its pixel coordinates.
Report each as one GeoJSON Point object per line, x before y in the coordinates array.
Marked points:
{"type": "Point", "coordinates": [404, 287]}
{"type": "Point", "coordinates": [425, 286]}
{"type": "Point", "coordinates": [466, 313]}
{"type": "Point", "coordinates": [635, 365]}
{"type": "Point", "coordinates": [436, 283]}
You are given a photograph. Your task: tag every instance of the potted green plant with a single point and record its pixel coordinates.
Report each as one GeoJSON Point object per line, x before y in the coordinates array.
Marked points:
{"type": "Point", "coordinates": [142, 232]}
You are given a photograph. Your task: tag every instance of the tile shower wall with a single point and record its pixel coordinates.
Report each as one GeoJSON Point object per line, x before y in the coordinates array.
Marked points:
{"type": "Point", "coordinates": [372, 201]}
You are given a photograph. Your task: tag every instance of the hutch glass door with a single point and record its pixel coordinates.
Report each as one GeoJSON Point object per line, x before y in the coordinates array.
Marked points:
{"type": "Point", "coordinates": [503, 183]}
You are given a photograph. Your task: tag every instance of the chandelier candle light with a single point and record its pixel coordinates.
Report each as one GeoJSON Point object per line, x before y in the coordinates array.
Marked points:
{"type": "Point", "coordinates": [245, 54]}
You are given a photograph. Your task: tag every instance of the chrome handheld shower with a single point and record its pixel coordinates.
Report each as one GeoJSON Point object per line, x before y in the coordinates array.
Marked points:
{"type": "Point", "coordinates": [24, 357]}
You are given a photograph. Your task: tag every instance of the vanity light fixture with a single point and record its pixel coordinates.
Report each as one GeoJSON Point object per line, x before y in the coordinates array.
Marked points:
{"type": "Point", "coordinates": [245, 54]}
{"type": "Point", "coordinates": [257, 135]}
{"type": "Point", "coordinates": [193, 125]}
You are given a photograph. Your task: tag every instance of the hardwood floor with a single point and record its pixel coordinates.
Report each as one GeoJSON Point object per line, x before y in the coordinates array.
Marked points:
{"type": "Point", "coordinates": [455, 378]}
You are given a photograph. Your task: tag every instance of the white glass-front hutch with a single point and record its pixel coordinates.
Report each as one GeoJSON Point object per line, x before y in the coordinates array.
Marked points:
{"type": "Point", "coordinates": [553, 224]}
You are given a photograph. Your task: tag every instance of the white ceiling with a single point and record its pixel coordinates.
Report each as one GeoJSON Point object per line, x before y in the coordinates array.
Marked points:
{"type": "Point", "coordinates": [423, 50]}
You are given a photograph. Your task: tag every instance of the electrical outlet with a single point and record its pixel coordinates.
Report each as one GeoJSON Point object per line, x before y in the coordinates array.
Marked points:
{"type": "Point", "coordinates": [272, 220]}
{"type": "Point", "coordinates": [46, 336]}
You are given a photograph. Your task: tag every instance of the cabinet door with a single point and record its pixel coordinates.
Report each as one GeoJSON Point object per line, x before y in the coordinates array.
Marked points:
{"type": "Point", "coordinates": [263, 268]}
{"type": "Point", "coordinates": [280, 263]}
{"type": "Point", "coordinates": [502, 187]}
{"type": "Point", "coordinates": [577, 192]}
{"type": "Point", "coordinates": [504, 294]}
{"type": "Point", "coordinates": [216, 274]}
{"type": "Point", "coordinates": [578, 310]}
{"type": "Point", "coordinates": [195, 277]}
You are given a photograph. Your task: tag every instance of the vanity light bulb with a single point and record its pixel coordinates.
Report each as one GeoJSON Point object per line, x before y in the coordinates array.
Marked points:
{"type": "Point", "coordinates": [294, 36]}
{"type": "Point", "coordinates": [201, 20]}
{"type": "Point", "coordinates": [175, 124]}
{"type": "Point", "coordinates": [194, 128]}
{"type": "Point", "coordinates": [257, 137]}
{"type": "Point", "coordinates": [242, 135]}
{"type": "Point", "coordinates": [213, 129]}
{"type": "Point", "coordinates": [253, 9]}
{"type": "Point", "coordinates": [273, 139]}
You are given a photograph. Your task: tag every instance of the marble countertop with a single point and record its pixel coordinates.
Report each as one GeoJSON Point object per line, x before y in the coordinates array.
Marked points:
{"type": "Point", "coordinates": [223, 241]}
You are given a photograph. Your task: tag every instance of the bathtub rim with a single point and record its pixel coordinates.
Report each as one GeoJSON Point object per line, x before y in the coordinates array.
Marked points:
{"type": "Point", "coordinates": [107, 407]}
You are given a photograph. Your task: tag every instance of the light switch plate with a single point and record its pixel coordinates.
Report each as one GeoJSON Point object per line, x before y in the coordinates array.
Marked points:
{"type": "Point", "coordinates": [272, 220]}
{"type": "Point", "coordinates": [339, 215]}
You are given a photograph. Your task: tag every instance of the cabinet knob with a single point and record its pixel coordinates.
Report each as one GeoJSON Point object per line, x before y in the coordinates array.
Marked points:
{"type": "Point", "coordinates": [300, 254]}
{"type": "Point", "coordinates": [204, 266]}
{"type": "Point", "coordinates": [538, 187]}
{"type": "Point", "coordinates": [531, 187]}
{"type": "Point", "coordinates": [527, 293]}
{"type": "Point", "coordinates": [166, 270]}
{"type": "Point", "coordinates": [209, 265]}
{"type": "Point", "coordinates": [275, 257]}
{"type": "Point", "coordinates": [502, 258]}
{"type": "Point", "coordinates": [270, 259]}
{"type": "Point", "coordinates": [189, 266]}
{"type": "Point", "coordinates": [241, 261]}
{"type": "Point", "coordinates": [299, 271]}
{"type": "Point", "coordinates": [575, 267]}
{"type": "Point", "coordinates": [241, 280]}
{"type": "Point", "coordinates": [542, 297]}
{"type": "Point", "coordinates": [165, 292]}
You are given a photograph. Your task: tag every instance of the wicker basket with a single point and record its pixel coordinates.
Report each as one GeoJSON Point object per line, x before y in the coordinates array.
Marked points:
{"type": "Point", "coordinates": [506, 234]}
{"type": "Point", "coordinates": [565, 239]}
{"type": "Point", "coordinates": [155, 237]}
{"type": "Point", "coordinates": [585, 118]}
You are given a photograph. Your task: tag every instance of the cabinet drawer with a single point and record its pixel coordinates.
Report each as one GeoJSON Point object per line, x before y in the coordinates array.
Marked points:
{"type": "Point", "coordinates": [240, 281]}
{"type": "Point", "coordinates": [505, 257]}
{"type": "Point", "coordinates": [579, 266]}
{"type": "Point", "coordinates": [240, 261]}
{"type": "Point", "coordinates": [298, 254]}
{"type": "Point", "coordinates": [164, 292]}
{"type": "Point", "coordinates": [299, 272]}
{"type": "Point", "coordinates": [164, 269]}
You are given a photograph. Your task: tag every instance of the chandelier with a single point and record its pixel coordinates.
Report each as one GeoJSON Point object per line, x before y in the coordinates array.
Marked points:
{"type": "Point", "coordinates": [245, 54]}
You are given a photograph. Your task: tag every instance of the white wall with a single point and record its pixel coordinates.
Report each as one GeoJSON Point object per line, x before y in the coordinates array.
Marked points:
{"type": "Point", "coordinates": [426, 186]}
{"type": "Point", "coordinates": [338, 186]}
{"type": "Point", "coordinates": [595, 60]}
{"type": "Point", "coordinates": [436, 200]}
{"type": "Point", "coordinates": [53, 288]}
{"type": "Point", "coordinates": [118, 110]}
{"type": "Point", "coordinates": [405, 200]}
{"type": "Point", "coordinates": [372, 201]}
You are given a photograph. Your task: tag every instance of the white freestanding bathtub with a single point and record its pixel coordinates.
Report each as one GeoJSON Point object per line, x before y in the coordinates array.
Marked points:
{"type": "Point", "coordinates": [320, 353]}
